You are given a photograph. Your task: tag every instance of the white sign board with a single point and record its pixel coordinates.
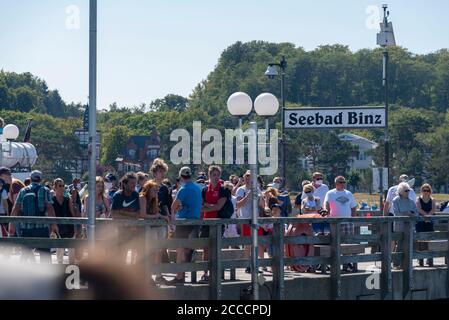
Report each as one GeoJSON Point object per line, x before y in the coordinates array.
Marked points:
{"type": "Point", "coordinates": [376, 179]}
{"type": "Point", "coordinates": [335, 117]}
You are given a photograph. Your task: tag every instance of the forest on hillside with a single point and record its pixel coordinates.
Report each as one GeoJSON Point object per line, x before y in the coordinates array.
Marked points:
{"type": "Point", "coordinates": [330, 75]}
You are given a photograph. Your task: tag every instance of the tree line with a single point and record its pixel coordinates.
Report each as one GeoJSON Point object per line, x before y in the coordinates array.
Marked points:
{"type": "Point", "coordinates": [330, 75]}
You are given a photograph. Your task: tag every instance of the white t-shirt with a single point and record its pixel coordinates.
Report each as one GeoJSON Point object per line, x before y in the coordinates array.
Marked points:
{"type": "Point", "coordinates": [319, 192]}
{"type": "Point", "coordinates": [340, 203]}
{"type": "Point", "coordinates": [393, 193]}
{"type": "Point", "coordinates": [234, 204]}
{"type": "Point", "coordinates": [4, 196]}
{"type": "Point", "coordinates": [246, 211]}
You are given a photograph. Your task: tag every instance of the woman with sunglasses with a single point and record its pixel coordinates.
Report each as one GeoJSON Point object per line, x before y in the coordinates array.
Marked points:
{"type": "Point", "coordinates": [402, 206]}
{"type": "Point", "coordinates": [63, 207]}
{"type": "Point", "coordinates": [426, 206]}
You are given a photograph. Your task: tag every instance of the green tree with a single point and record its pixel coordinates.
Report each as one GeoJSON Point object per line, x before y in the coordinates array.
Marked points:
{"type": "Point", "coordinates": [113, 143]}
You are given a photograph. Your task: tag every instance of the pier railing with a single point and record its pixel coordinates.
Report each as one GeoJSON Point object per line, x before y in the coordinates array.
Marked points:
{"type": "Point", "coordinates": [415, 246]}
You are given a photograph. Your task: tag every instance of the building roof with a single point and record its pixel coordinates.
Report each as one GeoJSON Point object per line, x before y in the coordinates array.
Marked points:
{"type": "Point", "coordinates": [346, 136]}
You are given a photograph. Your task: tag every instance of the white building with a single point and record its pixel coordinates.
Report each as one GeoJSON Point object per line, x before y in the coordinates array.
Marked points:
{"type": "Point", "coordinates": [363, 160]}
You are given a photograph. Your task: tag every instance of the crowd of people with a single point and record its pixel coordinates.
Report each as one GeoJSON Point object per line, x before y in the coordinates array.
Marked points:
{"type": "Point", "coordinates": [206, 196]}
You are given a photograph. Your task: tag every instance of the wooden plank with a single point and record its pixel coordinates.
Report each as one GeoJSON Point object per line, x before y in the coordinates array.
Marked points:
{"type": "Point", "coordinates": [386, 286]}
{"type": "Point", "coordinates": [307, 261]}
{"type": "Point", "coordinates": [157, 222]}
{"type": "Point", "coordinates": [407, 260]}
{"type": "Point", "coordinates": [231, 242]}
{"type": "Point", "coordinates": [431, 236]}
{"type": "Point", "coordinates": [46, 242]}
{"type": "Point", "coordinates": [433, 254]}
{"type": "Point", "coordinates": [215, 263]}
{"type": "Point", "coordinates": [307, 239]}
{"type": "Point", "coordinates": [432, 245]}
{"type": "Point", "coordinates": [335, 261]}
{"type": "Point", "coordinates": [278, 261]}
{"type": "Point", "coordinates": [180, 267]}
{"type": "Point", "coordinates": [190, 243]}
{"type": "Point", "coordinates": [346, 248]}
{"type": "Point", "coordinates": [227, 254]}
{"type": "Point", "coordinates": [360, 238]}
{"type": "Point", "coordinates": [361, 258]}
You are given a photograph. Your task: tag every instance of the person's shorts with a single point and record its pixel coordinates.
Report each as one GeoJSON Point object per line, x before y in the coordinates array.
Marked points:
{"type": "Point", "coordinates": [185, 232]}
{"type": "Point", "coordinates": [246, 230]}
{"type": "Point", "coordinates": [424, 226]}
{"type": "Point", "coordinates": [157, 233]}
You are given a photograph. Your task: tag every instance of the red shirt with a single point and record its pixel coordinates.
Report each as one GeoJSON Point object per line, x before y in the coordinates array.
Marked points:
{"type": "Point", "coordinates": [211, 196]}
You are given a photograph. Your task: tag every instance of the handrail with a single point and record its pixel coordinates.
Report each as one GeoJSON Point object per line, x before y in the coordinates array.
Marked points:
{"type": "Point", "coordinates": [216, 264]}
{"type": "Point", "coordinates": [212, 222]}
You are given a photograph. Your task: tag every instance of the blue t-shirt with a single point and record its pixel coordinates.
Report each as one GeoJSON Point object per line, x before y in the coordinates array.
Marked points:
{"type": "Point", "coordinates": [191, 201]}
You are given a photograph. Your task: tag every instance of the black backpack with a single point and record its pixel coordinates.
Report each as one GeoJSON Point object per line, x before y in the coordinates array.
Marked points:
{"type": "Point", "coordinates": [227, 210]}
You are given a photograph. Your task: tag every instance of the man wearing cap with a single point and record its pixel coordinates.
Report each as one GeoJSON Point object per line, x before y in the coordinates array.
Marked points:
{"type": "Point", "coordinates": [111, 185]}
{"type": "Point", "coordinates": [39, 195]}
{"type": "Point", "coordinates": [186, 206]}
{"type": "Point", "coordinates": [393, 193]}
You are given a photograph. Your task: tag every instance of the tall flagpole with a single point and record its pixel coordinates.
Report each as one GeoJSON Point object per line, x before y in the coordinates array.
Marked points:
{"type": "Point", "coordinates": [92, 118]}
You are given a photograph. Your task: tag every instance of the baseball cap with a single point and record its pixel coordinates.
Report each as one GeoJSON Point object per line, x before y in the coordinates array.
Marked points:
{"type": "Point", "coordinates": [403, 178]}
{"type": "Point", "coordinates": [185, 172]}
{"type": "Point", "coordinates": [36, 175]}
{"type": "Point", "coordinates": [5, 170]}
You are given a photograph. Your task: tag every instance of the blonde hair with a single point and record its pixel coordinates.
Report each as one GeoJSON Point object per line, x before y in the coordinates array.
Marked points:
{"type": "Point", "coordinates": [158, 164]}
{"type": "Point", "coordinates": [308, 188]}
{"type": "Point", "coordinates": [272, 191]}
{"type": "Point", "coordinates": [426, 185]}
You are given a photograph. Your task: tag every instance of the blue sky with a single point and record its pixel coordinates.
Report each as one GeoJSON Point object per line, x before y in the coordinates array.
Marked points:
{"type": "Point", "coordinates": [149, 48]}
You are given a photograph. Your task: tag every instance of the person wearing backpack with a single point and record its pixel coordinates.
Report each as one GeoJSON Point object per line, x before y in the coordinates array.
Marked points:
{"type": "Point", "coordinates": [35, 201]}
{"type": "Point", "coordinates": [214, 197]}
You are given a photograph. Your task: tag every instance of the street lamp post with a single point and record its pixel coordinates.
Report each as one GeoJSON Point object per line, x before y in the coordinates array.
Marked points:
{"type": "Point", "coordinates": [385, 38]}
{"type": "Point", "coordinates": [265, 105]}
{"type": "Point", "coordinates": [271, 73]}
{"type": "Point", "coordinates": [92, 118]}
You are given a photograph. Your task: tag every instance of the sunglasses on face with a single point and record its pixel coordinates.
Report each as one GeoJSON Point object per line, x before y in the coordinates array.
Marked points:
{"type": "Point", "coordinates": [407, 191]}
{"type": "Point", "coordinates": [426, 190]}
{"type": "Point", "coordinates": [341, 182]}
{"type": "Point", "coordinates": [60, 186]}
